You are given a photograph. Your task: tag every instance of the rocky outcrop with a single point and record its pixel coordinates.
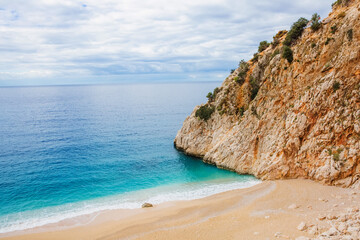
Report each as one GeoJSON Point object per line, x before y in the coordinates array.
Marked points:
{"type": "Point", "coordinates": [304, 120]}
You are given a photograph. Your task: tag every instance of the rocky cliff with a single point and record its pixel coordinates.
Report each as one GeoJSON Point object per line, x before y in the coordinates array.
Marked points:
{"type": "Point", "coordinates": [289, 114]}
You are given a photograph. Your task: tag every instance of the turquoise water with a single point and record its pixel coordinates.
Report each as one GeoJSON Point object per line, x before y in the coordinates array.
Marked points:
{"type": "Point", "coordinates": [72, 150]}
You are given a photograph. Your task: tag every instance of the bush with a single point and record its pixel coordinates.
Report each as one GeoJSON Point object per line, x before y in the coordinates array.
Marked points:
{"type": "Point", "coordinates": [232, 71]}
{"type": "Point", "coordinates": [254, 88]}
{"type": "Point", "coordinates": [241, 111]}
{"type": "Point", "coordinates": [295, 32]}
{"type": "Point", "coordinates": [333, 29]}
{"type": "Point", "coordinates": [350, 34]}
{"type": "Point", "coordinates": [342, 15]}
{"type": "Point", "coordinates": [336, 86]}
{"type": "Point", "coordinates": [263, 45]}
{"type": "Point", "coordinates": [255, 58]}
{"type": "Point", "coordinates": [243, 69]}
{"type": "Point", "coordinates": [216, 91]}
{"type": "Point", "coordinates": [204, 112]}
{"type": "Point", "coordinates": [212, 95]}
{"type": "Point", "coordinates": [288, 54]}
{"type": "Point", "coordinates": [340, 2]}
{"type": "Point", "coordinates": [315, 24]}
{"type": "Point", "coordinates": [328, 40]}
{"type": "Point", "coordinates": [275, 43]}
{"type": "Point", "coordinates": [313, 45]}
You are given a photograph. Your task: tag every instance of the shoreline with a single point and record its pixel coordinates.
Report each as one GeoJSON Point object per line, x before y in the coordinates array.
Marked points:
{"type": "Point", "coordinates": [259, 212]}
{"type": "Point", "coordinates": [83, 212]}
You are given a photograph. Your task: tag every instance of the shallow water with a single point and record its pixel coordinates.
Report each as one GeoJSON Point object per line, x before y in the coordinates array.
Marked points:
{"type": "Point", "coordinates": [72, 150]}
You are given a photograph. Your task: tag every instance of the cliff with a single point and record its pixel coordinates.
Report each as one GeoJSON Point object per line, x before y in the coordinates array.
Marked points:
{"type": "Point", "coordinates": [278, 117]}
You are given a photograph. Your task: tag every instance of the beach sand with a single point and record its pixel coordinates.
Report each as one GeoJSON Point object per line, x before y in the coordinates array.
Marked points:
{"type": "Point", "coordinates": [272, 209]}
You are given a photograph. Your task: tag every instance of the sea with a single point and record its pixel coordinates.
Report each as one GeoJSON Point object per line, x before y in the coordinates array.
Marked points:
{"type": "Point", "coordinates": [67, 151]}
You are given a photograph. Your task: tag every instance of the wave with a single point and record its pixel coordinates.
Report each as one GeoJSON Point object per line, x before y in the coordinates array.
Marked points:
{"type": "Point", "coordinates": [132, 200]}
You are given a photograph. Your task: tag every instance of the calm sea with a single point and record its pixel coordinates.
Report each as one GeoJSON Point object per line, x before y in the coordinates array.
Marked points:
{"type": "Point", "coordinates": [72, 150]}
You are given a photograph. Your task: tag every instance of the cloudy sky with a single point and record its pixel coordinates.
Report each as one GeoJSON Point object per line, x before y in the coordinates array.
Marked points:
{"type": "Point", "coordinates": [91, 41]}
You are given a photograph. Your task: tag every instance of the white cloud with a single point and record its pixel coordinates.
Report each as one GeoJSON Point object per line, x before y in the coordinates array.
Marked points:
{"type": "Point", "coordinates": [69, 39]}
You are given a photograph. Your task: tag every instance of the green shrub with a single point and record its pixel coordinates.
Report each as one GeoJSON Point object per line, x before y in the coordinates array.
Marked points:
{"type": "Point", "coordinates": [275, 43]}
{"type": "Point", "coordinates": [254, 88]}
{"type": "Point", "coordinates": [216, 91]}
{"type": "Point", "coordinates": [350, 34]}
{"type": "Point", "coordinates": [232, 71]}
{"type": "Point", "coordinates": [288, 54]}
{"type": "Point", "coordinates": [342, 15]}
{"type": "Point", "coordinates": [336, 86]}
{"type": "Point", "coordinates": [315, 24]}
{"type": "Point", "coordinates": [204, 112]}
{"type": "Point", "coordinates": [244, 66]}
{"type": "Point", "coordinates": [336, 157]}
{"type": "Point", "coordinates": [295, 32]}
{"type": "Point", "coordinates": [263, 45]}
{"type": "Point", "coordinates": [243, 69]}
{"type": "Point", "coordinates": [340, 2]}
{"type": "Point", "coordinates": [255, 58]}
{"type": "Point", "coordinates": [212, 95]}
{"type": "Point", "coordinates": [333, 29]}
{"type": "Point", "coordinates": [241, 111]}
{"type": "Point", "coordinates": [253, 111]}
{"type": "Point", "coordinates": [313, 45]}
{"type": "Point", "coordinates": [328, 40]}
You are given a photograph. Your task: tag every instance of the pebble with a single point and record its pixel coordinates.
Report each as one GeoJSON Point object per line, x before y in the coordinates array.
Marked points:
{"type": "Point", "coordinates": [331, 232]}
{"type": "Point", "coordinates": [147, 205]}
{"type": "Point", "coordinates": [313, 230]}
{"type": "Point", "coordinates": [331, 217]}
{"type": "Point", "coordinates": [293, 206]}
{"type": "Point", "coordinates": [267, 217]}
{"type": "Point", "coordinates": [342, 227]}
{"type": "Point", "coordinates": [302, 226]}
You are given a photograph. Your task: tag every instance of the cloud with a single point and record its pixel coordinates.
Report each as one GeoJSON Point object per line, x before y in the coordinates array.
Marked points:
{"type": "Point", "coordinates": [78, 39]}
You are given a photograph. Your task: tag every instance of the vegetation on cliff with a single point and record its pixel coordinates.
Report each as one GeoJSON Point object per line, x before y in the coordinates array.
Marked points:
{"type": "Point", "coordinates": [288, 111]}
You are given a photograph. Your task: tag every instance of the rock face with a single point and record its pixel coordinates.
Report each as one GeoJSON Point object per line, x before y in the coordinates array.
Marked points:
{"type": "Point", "coordinates": [147, 205]}
{"type": "Point", "coordinates": [304, 120]}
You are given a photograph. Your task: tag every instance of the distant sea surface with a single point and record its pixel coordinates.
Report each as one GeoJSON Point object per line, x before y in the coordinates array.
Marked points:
{"type": "Point", "coordinates": [66, 151]}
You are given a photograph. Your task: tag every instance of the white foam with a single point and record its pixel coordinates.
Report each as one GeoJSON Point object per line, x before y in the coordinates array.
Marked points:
{"type": "Point", "coordinates": [132, 200]}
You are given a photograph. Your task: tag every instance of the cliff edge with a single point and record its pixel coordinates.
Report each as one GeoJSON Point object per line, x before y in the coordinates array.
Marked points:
{"type": "Point", "coordinates": [293, 111]}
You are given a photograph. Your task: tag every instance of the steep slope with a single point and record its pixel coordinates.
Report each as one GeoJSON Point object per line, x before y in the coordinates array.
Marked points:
{"type": "Point", "coordinates": [304, 118]}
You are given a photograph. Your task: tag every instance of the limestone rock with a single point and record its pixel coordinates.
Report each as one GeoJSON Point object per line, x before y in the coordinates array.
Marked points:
{"type": "Point", "coordinates": [302, 226]}
{"type": "Point", "coordinates": [147, 205]}
{"type": "Point", "coordinates": [293, 206]}
{"type": "Point", "coordinates": [303, 120]}
{"type": "Point", "coordinates": [331, 232]}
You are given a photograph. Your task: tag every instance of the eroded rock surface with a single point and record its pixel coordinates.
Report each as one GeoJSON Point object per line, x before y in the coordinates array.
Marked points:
{"type": "Point", "coordinates": [305, 119]}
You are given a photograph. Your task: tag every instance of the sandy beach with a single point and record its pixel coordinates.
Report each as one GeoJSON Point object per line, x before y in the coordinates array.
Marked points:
{"type": "Point", "coordinates": [273, 209]}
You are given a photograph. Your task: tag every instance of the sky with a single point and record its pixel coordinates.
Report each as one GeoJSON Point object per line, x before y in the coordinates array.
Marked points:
{"type": "Point", "coordinates": [52, 42]}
